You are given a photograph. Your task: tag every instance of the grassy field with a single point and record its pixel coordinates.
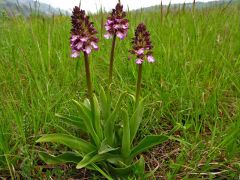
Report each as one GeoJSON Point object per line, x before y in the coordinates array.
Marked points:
{"type": "Point", "coordinates": [194, 85]}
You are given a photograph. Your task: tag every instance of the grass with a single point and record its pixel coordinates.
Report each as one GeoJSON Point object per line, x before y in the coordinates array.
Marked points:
{"type": "Point", "coordinates": [194, 85]}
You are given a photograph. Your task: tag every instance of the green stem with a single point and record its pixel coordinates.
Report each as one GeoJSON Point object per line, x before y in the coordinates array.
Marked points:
{"type": "Point", "coordinates": [88, 76]}
{"type": "Point", "coordinates": [112, 59]}
{"type": "Point", "coordinates": [139, 83]}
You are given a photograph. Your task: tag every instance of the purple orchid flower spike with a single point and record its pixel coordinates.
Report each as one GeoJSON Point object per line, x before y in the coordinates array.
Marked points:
{"type": "Point", "coordinates": [142, 45]}
{"type": "Point", "coordinates": [83, 34]}
{"type": "Point", "coordinates": [142, 48]}
{"type": "Point", "coordinates": [83, 39]}
{"type": "Point", "coordinates": [116, 23]}
{"type": "Point", "coordinates": [116, 26]}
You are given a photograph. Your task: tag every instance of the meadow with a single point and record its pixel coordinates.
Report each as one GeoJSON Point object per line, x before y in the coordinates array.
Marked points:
{"type": "Point", "coordinates": [193, 87]}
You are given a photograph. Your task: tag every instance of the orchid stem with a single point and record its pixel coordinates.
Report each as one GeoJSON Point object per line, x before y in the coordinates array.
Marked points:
{"type": "Point", "coordinates": [112, 59]}
{"type": "Point", "coordinates": [88, 76]}
{"type": "Point", "coordinates": [138, 91]}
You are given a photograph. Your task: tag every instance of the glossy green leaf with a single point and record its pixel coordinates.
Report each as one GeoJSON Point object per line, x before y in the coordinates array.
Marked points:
{"type": "Point", "coordinates": [66, 157]}
{"type": "Point", "coordinates": [105, 148]}
{"type": "Point", "coordinates": [109, 125]}
{"type": "Point", "coordinates": [147, 143]}
{"type": "Point", "coordinates": [122, 171]}
{"type": "Point", "coordinates": [72, 120]}
{"type": "Point", "coordinates": [70, 141]}
{"type": "Point", "coordinates": [88, 119]}
{"type": "Point", "coordinates": [126, 144]}
{"type": "Point", "coordinates": [105, 104]}
{"type": "Point", "coordinates": [97, 118]}
{"type": "Point", "coordinates": [90, 158]}
{"type": "Point", "coordinates": [136, 120]}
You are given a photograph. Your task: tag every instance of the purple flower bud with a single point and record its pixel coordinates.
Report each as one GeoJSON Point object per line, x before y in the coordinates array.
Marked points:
{"type": "Point", "coordinates": [116, 23]}
{"type": "Point", "coordinates": [151, 59]}
{"type": "Point", "coordinates": [108, 36]}
{"type": "Point", "coordinates": [141, 45]}
{"type": "Point", "coordinates": [75, 54]}
{"type": "Point", "coordinates": [139, 61]}
{"type": "Point", "coordinates": [140, 51]}
{"type": "Point", "coordinates": [83, 34]}
{"type": "Point", "coordinates": [94, 45]}
{"type": "Point", "coordinates": [88, 49]}
{"type": "Point", "coordinates": [120, 35]}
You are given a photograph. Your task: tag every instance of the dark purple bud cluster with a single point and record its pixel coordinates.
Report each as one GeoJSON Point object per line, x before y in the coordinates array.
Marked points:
{"type": "Point", "coordinates": [142, 45]}
{"type": "Point", "coordinates": [116, 23]}
{"type": "Point", "coordinates": [83, 34]}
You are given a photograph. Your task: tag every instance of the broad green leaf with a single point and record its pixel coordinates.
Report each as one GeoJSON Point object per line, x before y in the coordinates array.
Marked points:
{"type": "Point", "coordinates": [87, 116]}
{"type": "Point", "coordinates": [97, 118]}
{"type": "Point", "coordinates": [105, 104]}
{"type": "Point", "coordinates": [66, 157]}
{"type": "Point", "coordinates": [90, 158]}
{"type": "Point", "coordinates": [109, 128]}
{"type": "Point", "coordinates": [109, 125]}
{"type": "Point", "coordinates": [86, 160]}
{"type": "Point", "coordinates": [125, 171]}
{"type": "Point", "coordinates": [85, 112]}
{"type": "Point", "coordinates": [147, 143]}
{"type": "Point", "coordinates": [72, 120]}
{"type": "Point", "coordinates": [126, 144]}
{"type": "Point", "coordinates": [70, 141]}
{"type": "Point", "coordinates": [136, 120]}
{"type": "Point", "coordinates": [105, 148]}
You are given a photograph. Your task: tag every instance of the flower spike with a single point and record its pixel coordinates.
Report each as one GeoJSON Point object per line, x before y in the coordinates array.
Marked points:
{"type": "Point", "coordinates": [83, 34]}
{"type": "Point", "coordinates": [142, 45]}
{"type": "Point", "coordinates": [116, 23]}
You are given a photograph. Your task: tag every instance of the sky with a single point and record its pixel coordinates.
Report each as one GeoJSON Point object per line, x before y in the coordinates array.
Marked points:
{"type": "Point", "coordinates": [93, 5]}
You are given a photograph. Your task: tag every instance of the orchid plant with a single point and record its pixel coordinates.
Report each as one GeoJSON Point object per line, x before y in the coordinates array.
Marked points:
{"type": "Point", "coordinates": [142, 48]}
{"type": "Point", "coordinates": [116, 26]}
{"type": "Point", "coordinates": [111, 146]}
